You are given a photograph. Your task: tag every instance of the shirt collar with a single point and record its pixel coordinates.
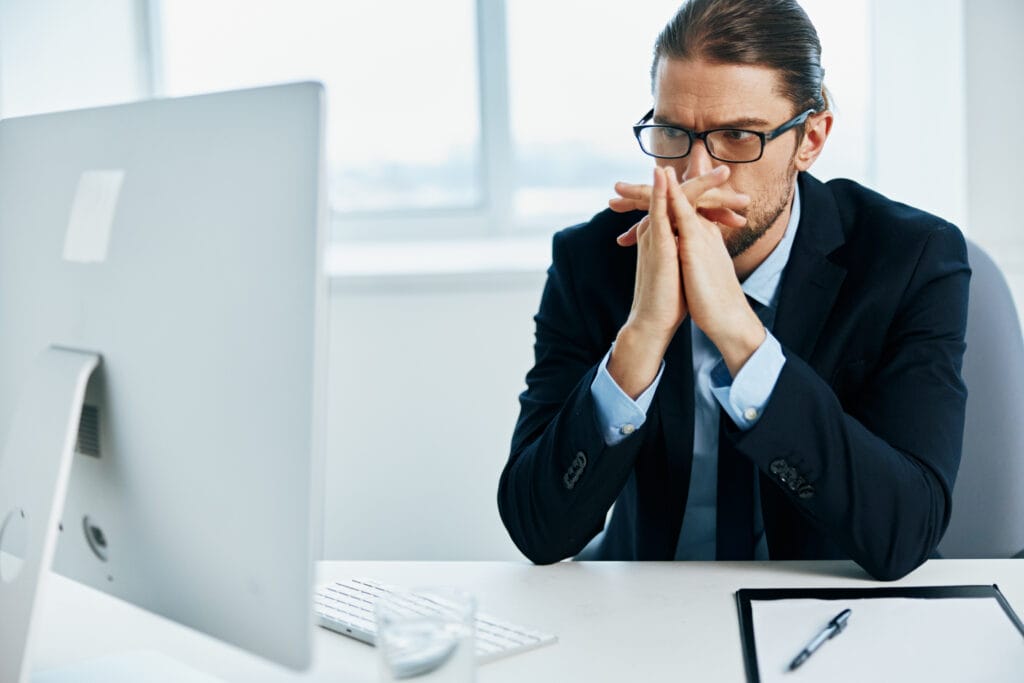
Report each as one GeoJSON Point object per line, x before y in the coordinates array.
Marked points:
{"type": "Point", "coordinates": [763, 284]}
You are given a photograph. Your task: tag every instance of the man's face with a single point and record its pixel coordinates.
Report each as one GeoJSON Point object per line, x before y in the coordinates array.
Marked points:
{"type": "Point", "coordinates": [700, 96]}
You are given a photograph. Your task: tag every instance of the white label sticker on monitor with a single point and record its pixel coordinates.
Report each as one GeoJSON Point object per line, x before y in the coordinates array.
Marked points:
{"type": "Point", "coordinates": [92, 215]}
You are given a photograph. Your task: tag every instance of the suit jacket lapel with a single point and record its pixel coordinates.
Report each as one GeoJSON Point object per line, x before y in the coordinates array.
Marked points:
{"type": "Point", "coordinates": [811, 281]}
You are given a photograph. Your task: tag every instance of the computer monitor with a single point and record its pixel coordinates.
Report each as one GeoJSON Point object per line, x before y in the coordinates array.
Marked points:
{"type": "Point", "coordinates": [178, 242]}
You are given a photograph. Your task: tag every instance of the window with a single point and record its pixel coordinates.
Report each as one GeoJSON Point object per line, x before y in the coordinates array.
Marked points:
{"type": "Point", "coordinates": [402, 115]}
{"type": "Point", "coordinates": [579, 79]}
{"type": "Point", "coordinates": [843, 29]}
{"type": "Point", "coordinates": [475, 118]}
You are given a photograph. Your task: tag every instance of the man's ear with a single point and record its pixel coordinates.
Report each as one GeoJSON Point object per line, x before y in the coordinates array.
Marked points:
{"type": "Point", "coordinates": [816, 131]}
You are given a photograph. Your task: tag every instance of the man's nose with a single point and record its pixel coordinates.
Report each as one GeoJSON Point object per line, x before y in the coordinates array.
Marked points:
{"type": "Point", "coordinates": [698, 161]}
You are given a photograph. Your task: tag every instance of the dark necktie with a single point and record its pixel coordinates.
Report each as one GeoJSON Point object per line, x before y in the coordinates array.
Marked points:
{"type": "Point", "coordinates": [734, 527]}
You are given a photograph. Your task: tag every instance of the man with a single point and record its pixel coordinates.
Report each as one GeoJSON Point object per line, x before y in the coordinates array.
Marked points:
{"type": "Point", "coordinates": [761, 366]}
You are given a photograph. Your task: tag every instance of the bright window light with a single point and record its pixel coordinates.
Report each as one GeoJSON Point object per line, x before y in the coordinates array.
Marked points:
{"type": "Point", "coordinates": [403, 114]}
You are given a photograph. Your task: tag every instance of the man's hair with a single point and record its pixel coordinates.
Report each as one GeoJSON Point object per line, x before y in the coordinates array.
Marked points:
{"type": "Point", "coordinates": [772, 33]}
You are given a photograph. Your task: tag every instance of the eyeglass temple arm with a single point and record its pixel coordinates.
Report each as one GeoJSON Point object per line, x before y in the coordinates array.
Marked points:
{"type": "Point", "coordinates": [645, 118]}
{"type": "Point", "coordinates": [789, 124]}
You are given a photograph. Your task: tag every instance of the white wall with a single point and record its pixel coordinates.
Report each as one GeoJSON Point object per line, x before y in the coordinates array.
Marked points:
{"type": "Point", "coordinates": [424, 377]}
{"type": "Point", "coordinates": [918, 105]}
{"type": "Point", "coordinates": [995, 137]}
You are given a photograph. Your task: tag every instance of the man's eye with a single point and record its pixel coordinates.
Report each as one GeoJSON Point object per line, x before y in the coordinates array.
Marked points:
{"type": "Point", "coordinates": [738, 135]}
{"type": "Point", "coordinates": [673, 133]}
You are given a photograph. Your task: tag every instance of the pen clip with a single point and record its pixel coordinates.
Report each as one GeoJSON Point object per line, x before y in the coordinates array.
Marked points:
{"type": "Point", "coordinates": [839, 621]}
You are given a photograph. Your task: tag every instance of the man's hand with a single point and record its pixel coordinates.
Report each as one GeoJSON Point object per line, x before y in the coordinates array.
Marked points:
{"type": "Point", "coordinates": [715, 299]}
{"type": "Point", "coordinates": [659, 299]}
{"type": "Point", "coordinates": [717, 204]}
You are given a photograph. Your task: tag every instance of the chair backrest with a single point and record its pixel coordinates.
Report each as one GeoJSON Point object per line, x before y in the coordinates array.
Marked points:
{"type": "Point", "coordinates": [988, 499]}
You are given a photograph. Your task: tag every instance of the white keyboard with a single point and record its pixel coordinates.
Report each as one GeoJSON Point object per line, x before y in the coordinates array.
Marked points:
{"type": "Point", "coordinates": [347, 608]}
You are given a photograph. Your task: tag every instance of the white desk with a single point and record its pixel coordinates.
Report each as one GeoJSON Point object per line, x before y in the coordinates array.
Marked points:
{"type": "Point", "coordinates": [615, 621]}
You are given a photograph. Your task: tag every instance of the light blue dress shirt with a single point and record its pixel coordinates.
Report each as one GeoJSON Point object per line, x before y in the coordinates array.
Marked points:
{"type": "Point", "coordinates": [743, 398]}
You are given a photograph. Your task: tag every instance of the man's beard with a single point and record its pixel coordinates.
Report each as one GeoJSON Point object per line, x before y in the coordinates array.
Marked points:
{"type": "Point", "coordinates": [762, 213]}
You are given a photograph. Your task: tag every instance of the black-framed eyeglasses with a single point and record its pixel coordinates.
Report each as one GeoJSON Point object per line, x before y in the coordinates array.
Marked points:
{"type": "Point", "coordinates": [732, 145]}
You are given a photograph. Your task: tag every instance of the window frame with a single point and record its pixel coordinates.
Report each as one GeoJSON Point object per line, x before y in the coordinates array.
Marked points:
{"type": "Point", "coordinates": [490, 217]}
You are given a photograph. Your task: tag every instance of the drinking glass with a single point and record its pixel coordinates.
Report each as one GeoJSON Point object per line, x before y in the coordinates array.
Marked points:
{"type": "Point", "coordinates": [426, 634]}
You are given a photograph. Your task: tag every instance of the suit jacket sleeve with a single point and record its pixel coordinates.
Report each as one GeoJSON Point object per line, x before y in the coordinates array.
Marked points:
{"type": "Point", "coordinates": [561, 478]}
{"type": "Point", "coordinates": [877, 477]}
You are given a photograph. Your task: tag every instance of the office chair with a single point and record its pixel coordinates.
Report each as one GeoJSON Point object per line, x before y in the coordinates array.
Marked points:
{"type": "Point", "coordinates": [988, 499]}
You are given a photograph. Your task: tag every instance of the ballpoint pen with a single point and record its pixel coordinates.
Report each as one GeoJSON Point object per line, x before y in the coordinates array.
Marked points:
{"type": "Point", "coordinates": [834, 627]}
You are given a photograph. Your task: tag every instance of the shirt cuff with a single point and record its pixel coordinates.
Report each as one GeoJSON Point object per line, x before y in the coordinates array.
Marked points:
{"type": "Point", "coordinates": [617, 414]}
{"type": "Point", "coordinates": [745, 397]}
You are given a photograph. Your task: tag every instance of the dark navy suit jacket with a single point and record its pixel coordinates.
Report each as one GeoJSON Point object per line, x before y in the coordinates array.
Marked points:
{"type": "Point", "coordinates": [858, 446]}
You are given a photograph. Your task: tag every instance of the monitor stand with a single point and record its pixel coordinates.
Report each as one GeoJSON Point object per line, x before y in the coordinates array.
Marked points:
{"type": "Point", "coordinates": [34, 473]}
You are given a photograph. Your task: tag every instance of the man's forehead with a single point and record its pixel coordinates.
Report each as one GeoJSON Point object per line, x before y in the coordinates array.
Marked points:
{"type": "Point", "coordinates": [689, 92]}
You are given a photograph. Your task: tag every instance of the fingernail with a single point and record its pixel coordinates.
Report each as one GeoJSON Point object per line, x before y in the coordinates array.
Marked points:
{"type": "Point", "coordinates": [720, 170]}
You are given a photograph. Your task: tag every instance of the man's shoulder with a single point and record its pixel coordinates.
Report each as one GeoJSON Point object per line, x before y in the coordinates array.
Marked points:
{"type": "Point", "coordinates": [868, 214]}
{"type": "Point", "coordinates": [884, 235]}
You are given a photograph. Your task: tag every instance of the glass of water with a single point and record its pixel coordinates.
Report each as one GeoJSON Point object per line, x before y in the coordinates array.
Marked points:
{"type": "Point", "coordinates": [426, 634]}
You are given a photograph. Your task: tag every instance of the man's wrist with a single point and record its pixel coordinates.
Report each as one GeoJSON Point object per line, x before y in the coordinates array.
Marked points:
{"type": "Point", "coordinates": [740, 343]}
{"type": "Point", "coordinates": [636, 359]}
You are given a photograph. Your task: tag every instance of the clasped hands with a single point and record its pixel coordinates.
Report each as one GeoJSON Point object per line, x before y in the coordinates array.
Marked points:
{"type": "Point", "coordinates": [683, 268]}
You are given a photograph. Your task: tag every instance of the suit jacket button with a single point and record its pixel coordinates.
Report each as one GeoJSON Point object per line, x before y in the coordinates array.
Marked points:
{"type": "Point", "coordinates": [797, 483]}
{"type": "Point", "coordinates": [581, 460]}
{"type": "Point", "coordinates": [568, 481]}
{"type": "Point", "coordinates": [778, 466]}
{"type": "Point", "coordinates": [806, 491]}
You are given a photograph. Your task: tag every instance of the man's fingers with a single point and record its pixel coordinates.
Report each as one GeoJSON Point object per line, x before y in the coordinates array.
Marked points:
{"type": "Point", "coordinates": [719, 198]}
{"type": "Point", "coordinates": [631, 236]}
{"type": "Point", "coordinates": [724, 216]}
{"type": "Point", "coordinates": [659, 227]}
{"type": "Point", "coordinates": [703, 191]}
{"type": "Point", "coordinates": [716, 204]}
{"type": "Point", "coordinates": [682, 210]}
{"type": "Point", "coordinates": [659, 201]}
{"type": "Point", "coordinates": [632, 197]}
{"type": "Point", "coordinates": [621, 205]}
{"type": "Point", "coordinates": [695, 187]}
{"type": "Point", "coordinates": [628, 238]}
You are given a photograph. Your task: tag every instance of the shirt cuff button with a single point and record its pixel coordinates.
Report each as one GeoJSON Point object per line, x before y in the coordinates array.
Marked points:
{"type": "Point", "coordinates": [627, 429]}
{"type": "Point", "coordinates": [750, 414]}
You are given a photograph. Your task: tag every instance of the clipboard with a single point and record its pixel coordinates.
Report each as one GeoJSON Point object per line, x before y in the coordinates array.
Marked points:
{"type": "Point", "coordinates": [747, 597]}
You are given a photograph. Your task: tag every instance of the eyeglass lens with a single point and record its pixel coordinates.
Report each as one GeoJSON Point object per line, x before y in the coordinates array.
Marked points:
{"type": "Point", "coordinates": [725, 145]}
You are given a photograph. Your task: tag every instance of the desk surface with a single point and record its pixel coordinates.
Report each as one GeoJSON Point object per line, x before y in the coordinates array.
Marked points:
{"type": "Point", "coordinates": [615, 621]}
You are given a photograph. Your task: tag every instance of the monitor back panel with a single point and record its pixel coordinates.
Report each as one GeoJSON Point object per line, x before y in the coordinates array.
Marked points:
{"type": "Point", "coordinates": [179, 239]}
